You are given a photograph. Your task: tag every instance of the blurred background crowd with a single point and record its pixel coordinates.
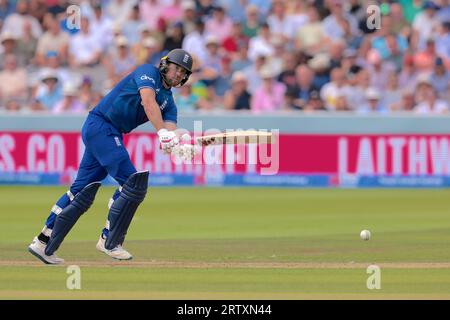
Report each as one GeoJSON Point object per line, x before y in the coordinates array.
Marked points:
{"type": "Point", "coordinates": [258, 55]}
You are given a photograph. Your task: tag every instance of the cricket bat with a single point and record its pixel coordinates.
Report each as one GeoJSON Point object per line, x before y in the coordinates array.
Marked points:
{"type": "Point", "coordinates": [236, 137]}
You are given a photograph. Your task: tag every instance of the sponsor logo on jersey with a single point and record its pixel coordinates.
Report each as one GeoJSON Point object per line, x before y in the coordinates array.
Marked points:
{"type": "Point", "coordinates": [146, 77]}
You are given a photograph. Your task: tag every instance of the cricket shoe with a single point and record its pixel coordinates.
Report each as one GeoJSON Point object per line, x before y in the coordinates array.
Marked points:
{"type": "Point", "coordinates": [37, 249]}
{"type": "Point", "coordinates": [118, 252]}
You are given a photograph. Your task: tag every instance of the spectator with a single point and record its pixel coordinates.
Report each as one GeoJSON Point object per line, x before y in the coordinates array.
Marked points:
{"type": "Point", "coordinates": [374, 103]}
{"type": "Point", "coordinates": [332, 90]}
{"type": "Point", "coordinates": [440, 78]}
{"type": "Point", "coordinates": [101, 28]}
{"type": "Point", "coordinates": [120, 62]}
{"type": "Point", "coordinates": [15, 22]}
{"type": "Point", "coordinates": [238, 97]}
{"type": "Point", "coordinates": [406, 103]}
{"type": "Point", "coordinates": [26, 45]}
{"type": "Point", "coordinates": [443, 43]}
{"type": "Point", "coordinates": [424, 60]}
{"type": "Point", "coordinates": [174, 37]}
{"type": "Point", "coordinates": [219, 24]}
{"type": "Point", "coordinates": [13, 81]}
{"type": "Point", "coordinates": [320, 64]}
{"type": "Point", "coordinates": [10, 46]}
{"type": "Point", "coordinates": [84, 50]}
{"type": "Point", "coordinates": [121, 10]}
{"type": "Point", "coordinates": [393, 94]}
{"type": "Point", "coordinates": [304, 85]}
{"type": "Point", "coordinates": [173, 12]}
{"type": "Point", "coordinates": [86, 93]}
{"type": "Point", "coordinates": [314, 103]}
{"type": "Point", "coordinates": [339, 25]}
{"type": "Point", "coordinates": [379, 70]}
{"type": "Point", "coordinates": [425, 25]}
{"type": "Point", "coordinates": [49, 95]}
{"type": "Point", "coordinates": [6, 8]}
{"type": "Point", "coordinates": [342, 103]}
{"type": "Point", "coordinates": [129, 26]}
{"type": "Point", "coordinates": [431, 104]}
{"type": "Point", "coordinates": [251, 25]}
{"type": "Point", "coordinates": [152, 51]}
{"type": "Point", "coordinates": [70, 103]}
{"type": "Point", "coordinates": [194, 42]}
{"type": "Point", "coordinates": [253, 72]}
{"type": "Point", "coordinates": [223, 81]}
{"type": "Point", "coordinates": [52, 40]}
{"type": "Point", "coordinates": [261, 44]}
{"type": "Point", "coordinates": [270, 95]}
{"type": "Point", "coordinates": [240, 60]}
{"type": "Point", "coordinates": [185, 99]}
{"type": "Point", "coordinates": [189, 16]}
{"type": "Point", "coordinates": [235, 40]}
{"type": "Point", "coordinates": [287, 75]}
{"type": "Point", "coordinates": [151, 11]}
{"type": "Point", "coordinates": [311, 37]}
{"type": "Point", "coordinates": [279, 22]}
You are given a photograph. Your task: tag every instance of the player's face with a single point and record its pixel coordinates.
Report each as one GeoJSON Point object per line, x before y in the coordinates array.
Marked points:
{"type": "Point", "coordinates": [175, 74]}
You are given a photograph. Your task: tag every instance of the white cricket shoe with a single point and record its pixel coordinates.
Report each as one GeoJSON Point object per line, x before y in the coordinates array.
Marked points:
{"type": "Point", "coordinates": [118, 252]}
{"type": "Point", "coordinates": [37, 249]}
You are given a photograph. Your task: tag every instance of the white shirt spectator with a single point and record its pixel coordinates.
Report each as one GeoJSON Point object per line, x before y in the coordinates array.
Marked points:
{"type": "Point", "coordinates": [119, 10]}
{"type": "Point", "coordinates": [15, 22]}
{"type": "Point", "coordinates": [440, 106]}
{"type": "Point", "coordinates": [195, 44]}
{"type": "Point", "coordinates": [426, 26]}
{"type": "Point", "coordinates": [333, 29]}
{"type": "Point", "coordinates": [83, 47]}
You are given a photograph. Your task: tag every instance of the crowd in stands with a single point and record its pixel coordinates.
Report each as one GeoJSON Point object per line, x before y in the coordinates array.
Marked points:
{"type": "Point", "coordinates": [257, 55]}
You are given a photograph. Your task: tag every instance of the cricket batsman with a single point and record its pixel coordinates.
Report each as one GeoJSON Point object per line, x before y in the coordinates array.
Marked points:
{"type": "Point", "coordinates": [143, 95]}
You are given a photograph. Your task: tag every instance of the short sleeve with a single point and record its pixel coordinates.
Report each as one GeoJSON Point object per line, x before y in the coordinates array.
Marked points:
{"type": "Point", "coordinates": [170, 112]}
{"type": "Point", "coordinates": [145, 77]}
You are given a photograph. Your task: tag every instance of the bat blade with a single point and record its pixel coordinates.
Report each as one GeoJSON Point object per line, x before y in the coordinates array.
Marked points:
{"type": "Point", "coordinates": [236, 137]}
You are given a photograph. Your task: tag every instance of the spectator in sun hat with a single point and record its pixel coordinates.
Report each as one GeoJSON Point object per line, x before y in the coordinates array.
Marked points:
{"type": "Point", "coordinates": [237, 97]}
{"type": "Point", "coordinates": [51, 93]}
{"type": "Point", "coordinates": [70, 102]}
{"type": "Point", "coordinates": [270, 95]}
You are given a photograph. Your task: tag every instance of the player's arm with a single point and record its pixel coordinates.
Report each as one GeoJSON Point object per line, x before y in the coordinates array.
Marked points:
{"type": "Point", "coordinates": [165, 130]}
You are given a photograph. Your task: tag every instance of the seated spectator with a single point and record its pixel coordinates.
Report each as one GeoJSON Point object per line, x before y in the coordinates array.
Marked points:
{"type": "Point", "coordinates": [311, 37]}
{"type": "Point", "coordinates": [54, 39]}
{"type": "Point", "coordinates": [51, 93]}
{"type": "Point", "coordinates": [189, 16]}
{"type": "Point", "coordinates": [10, 46]}
{"type": "Point", "coordinates": [70, 102]}
{"type": "Point", "coordinates": [374, 103]}
{"type": "Point", "coordinates": [443, 42]}
{"type": "Point", "coordinates": [333, 89]}
{"type": "Point", "coordinates": [424, 60]}
{"type": "Point", "coordinates": [379, 70]}
{"type": "Point", "coordinates": [130, 24]}
{"type": "Point", "coordinates": [237, 98]}
{"type": "Point", "coordinates": [219, 24]}
{"type": "Point", "coordinates": [240, 59]}
{"type": "Point", "coordinates": [314, 103]}
{"type": "Point", "coordinates": [27, 44]}
{"type": "Point", "coordinates": [431, 104]}
{"type": "Point", "coordinates": [287, 75]}
{"type": "Point", "coordinates": [304, 85]}
{"type": "Point", "coordinates": [440, 78]}
{"type": "Point", "coordinates": [195, 42]}
{"type": "Point", "coordinates": [13, 81]}
{"type": "Point", "coordinates": [235, 40]}
{"type": "Point", "coordinates": [342, 104]}
{"type": "Point", "coordinates": [406, 103]}
{"type": "Point", "coordinates": [270, 95]}
{"type": "Point", "coordinates": [223, 81]}
{"type": "Point", "coordinates": [393, 93]}
{"type": "Point", "coordinates": [120, 62]}
{"type": "Point", "coordinates": [320, 64]}
{"type": "Point", "coordinates": [185, 99]}
{"type": "Point", "coordinates": [13, 106]}
{"type": "Point", "coordinates": [253, 75]}
{"type": "Point", "coordinates": [14, 23]}
{"type": "Point", "coordinates": [84, 49]}
{"type": "Point", "coordinates": [86, 94]}
{"type": "Point", "coordinates": [250, 28]}
{"type": "Point", "coordinates": [121, 10]}
{"type": "Point", "coordinates": [174, 37]}
{"type": "Point", "coordinates": [261, 44]}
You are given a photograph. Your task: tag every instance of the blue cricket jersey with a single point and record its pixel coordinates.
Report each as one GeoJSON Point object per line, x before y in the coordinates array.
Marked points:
{"type": "Point", "coordinates": [123, 105]}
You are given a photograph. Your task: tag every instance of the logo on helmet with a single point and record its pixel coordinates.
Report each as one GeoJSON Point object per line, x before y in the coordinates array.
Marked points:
{"type": "Point", "coordinates": [186, 58]}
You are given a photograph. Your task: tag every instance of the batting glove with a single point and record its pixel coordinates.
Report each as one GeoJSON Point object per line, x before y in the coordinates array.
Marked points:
{"type": "Point", "coordinates": [168, 140]}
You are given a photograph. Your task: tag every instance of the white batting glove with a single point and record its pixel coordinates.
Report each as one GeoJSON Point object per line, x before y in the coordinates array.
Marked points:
{"type": "Point", "coordinates": [168, 140]}
{"type": "Point", "coordinates": [186, 151]}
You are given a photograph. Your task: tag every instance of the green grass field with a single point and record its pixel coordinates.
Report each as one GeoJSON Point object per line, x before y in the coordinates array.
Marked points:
{"type": "Point", "coordinates": [233, 243]}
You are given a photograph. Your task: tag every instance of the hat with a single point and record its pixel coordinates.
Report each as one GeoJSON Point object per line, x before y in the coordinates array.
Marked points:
{"type": "Point", "coordinates": [267, 72]}
{"type": "Point", "coordinates": [70, 90]}
{"type": "Point", "coordinates": [373, 94]}
{"type": "Point", "coordinates": [188, 5]}
{"type": "Point", "coordinates": [212, 39]}
{"type": "Point", "coordinates": [319, 61]}
{"type": "Point", "coordinates": [121, 41]}
{"type": "Point", "coordinates": [6, 35]}
{"type": "Point", "coordinates": [49, 74]}
{"type": "Point", "coordinates": [149, 42]}
{"type": "Point", "coordinates": [423, 78]}
{"type": "Point", "coordinates": [238, 76]}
